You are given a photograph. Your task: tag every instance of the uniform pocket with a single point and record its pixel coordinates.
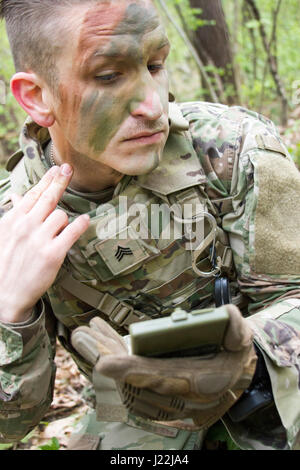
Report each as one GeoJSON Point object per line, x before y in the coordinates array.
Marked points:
{"type": "Point", "coordinates": [122, 253]}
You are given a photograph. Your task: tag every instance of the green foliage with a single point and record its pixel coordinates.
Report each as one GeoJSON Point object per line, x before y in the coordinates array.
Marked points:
{"type": "Point", "coordinates": [252, 24]}
{"type": "Point", "coordinates": [52, 445]}
{"type": "Point", "coordinates": [296, 154]}
{"type": "Point", "coordinates": [291, 137]}
{"type": "Point", "coordinates": [192, 16]}
{"type": "Point", "coordinates": [218, 434]}
{"type": "Point", "coordinates": [23, 441]}
{"type": "Point", "coordinates": [258, 87]}
{"type": "Point", "coordinates": [6, 446]}
{"type": "Point", "coordinates": [11, 115]}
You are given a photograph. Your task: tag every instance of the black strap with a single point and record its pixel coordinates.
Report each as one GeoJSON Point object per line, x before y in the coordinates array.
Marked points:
{"type": "Point", "coordinates": [222, 286]}
{"type": "Point", "coordinates": [257, 396]}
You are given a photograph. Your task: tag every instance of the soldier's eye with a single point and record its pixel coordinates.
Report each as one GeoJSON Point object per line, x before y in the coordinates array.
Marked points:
{"type": "Point", "coordinates": [153, 68]}
{"type": "Point", "coordinates": [109, 77]}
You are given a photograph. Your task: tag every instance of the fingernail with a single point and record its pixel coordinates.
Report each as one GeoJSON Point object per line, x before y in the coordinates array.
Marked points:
{"type": "Point", "coordinates": [66, 169]}
{"type": "Point", "coordinates": [53, 171]}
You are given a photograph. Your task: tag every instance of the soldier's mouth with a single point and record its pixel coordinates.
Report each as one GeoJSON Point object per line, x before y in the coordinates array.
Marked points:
{"type": "Point", "coordinates": [146, 137]}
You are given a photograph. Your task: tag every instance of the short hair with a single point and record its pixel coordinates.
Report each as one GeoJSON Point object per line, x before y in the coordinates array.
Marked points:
{"type": "Point", "coordinates": [32, 28]}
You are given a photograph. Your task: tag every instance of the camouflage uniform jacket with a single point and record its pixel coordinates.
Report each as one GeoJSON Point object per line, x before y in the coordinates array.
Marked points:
{"type": "Point", "coordinates": [232, 162]}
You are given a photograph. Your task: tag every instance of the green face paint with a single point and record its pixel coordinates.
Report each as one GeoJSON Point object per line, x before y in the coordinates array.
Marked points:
{"type": "Point", "coordinates": [137, 23]}
{"type": "Point", "coordinates": [122, 118]}
{"type": "Point", "coordinates": [107, 111]}
{"type": "Point", "coordinates": [108, 119]}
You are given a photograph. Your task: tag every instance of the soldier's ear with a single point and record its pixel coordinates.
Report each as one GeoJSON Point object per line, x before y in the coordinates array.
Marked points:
{"type": "Point", "coordinates": [29, 92]}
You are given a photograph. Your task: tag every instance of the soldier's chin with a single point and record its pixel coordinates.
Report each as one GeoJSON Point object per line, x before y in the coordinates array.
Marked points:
{"type": "Point", "coordinates": [144, 166]}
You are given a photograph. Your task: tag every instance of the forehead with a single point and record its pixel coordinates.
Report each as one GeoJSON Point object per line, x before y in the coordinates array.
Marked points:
{"type": "Point", "coordinates": [115, 19]}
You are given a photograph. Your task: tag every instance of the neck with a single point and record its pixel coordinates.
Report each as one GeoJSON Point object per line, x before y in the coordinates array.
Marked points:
{"type": "Point", "coordinates": [89, 175]}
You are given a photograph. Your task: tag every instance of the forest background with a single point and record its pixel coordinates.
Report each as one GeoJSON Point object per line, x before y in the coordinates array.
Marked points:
{"type": "Point", "coordinates": [237, 52]}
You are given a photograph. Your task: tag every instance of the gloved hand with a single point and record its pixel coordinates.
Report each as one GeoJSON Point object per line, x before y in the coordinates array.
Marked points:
{"type": "Point", "coordinates": [173, 389]}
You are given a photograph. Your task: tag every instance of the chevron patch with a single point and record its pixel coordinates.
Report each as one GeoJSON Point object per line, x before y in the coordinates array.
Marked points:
{"type": "Point", "coordinates": [121, 252]}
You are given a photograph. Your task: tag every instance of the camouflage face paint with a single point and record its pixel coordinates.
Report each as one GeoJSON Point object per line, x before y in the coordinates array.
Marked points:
{"type": "Point", "coordinates": [103, 113]}
{"type": "Point", "coordinates": [117, 87]}
{"type": "Point", "coordinates": [106, 111]}
{"type": "Point", "coordinates": [138, 21]}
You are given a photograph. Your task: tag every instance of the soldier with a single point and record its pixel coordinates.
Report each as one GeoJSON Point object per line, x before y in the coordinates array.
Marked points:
{"type": "Point", "coordinates": [100, 131]}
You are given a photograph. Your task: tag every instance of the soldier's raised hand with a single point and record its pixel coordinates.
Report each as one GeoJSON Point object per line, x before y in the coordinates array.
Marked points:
{"type": "Point", "coordinates": [35, 238]}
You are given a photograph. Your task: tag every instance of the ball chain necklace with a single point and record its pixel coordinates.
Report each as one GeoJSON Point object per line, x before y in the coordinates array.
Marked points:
{"type": "Point", "coordinates": [52, 161]}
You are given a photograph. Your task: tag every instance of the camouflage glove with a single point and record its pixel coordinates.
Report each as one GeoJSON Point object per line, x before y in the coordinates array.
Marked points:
{"type": "Point", "coordinates": [174, 389]}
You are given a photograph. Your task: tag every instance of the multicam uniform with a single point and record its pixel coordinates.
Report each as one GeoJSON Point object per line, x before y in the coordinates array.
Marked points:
{"type": "Point", "coordinates": [230, 162]}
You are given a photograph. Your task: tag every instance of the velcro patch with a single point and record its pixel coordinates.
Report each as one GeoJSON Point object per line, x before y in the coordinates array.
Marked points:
{"type": "Point", "coordinates": [123, 252]}
{"type": "Point", "coordinates": [277, 217]}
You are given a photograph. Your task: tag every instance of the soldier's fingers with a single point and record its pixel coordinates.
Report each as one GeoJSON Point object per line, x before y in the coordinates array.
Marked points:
{"type": "Point", "coordinates": [110, 336]}
{"type": "Point", "coordinates": [66, 239]}
{"type": "Point", "coordinates": [49, 199]}
{"type": "Point", "coordinates": [32, 196]}
{"type": "Point", "coordinates": [55, 223]}
{"type": "Point", "coordinates": [15, 199]}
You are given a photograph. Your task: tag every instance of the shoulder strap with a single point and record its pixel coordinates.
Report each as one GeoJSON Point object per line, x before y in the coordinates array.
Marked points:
{"type": "Point", "coordinates": [119, 313]}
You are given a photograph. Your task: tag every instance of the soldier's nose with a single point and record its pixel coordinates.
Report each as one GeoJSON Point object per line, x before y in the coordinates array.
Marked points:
{"type": "Point", "coordinates": [150, 107]}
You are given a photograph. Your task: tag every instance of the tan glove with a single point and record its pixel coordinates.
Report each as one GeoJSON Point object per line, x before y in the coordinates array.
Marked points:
{"type": "Point", "coordinates": [174, 389]}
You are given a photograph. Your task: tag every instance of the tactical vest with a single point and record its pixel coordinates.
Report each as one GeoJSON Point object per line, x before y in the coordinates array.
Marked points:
{"type": "Point", "coordinates": [130, 267]}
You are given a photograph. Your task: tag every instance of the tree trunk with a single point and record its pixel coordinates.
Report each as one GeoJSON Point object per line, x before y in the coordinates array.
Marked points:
{"type": "Point", "coordinates": [212, 43]}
